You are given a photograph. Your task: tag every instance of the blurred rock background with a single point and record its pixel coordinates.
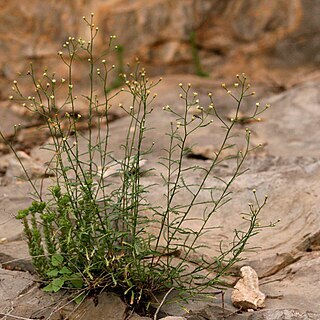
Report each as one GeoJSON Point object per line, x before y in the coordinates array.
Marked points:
{"type": "Point", "coordinates": [275, 41]}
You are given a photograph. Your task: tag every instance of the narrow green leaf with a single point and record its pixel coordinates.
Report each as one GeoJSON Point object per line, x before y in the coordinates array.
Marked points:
{"type": "Point", "coordinates": [65, 270]}
{"type": "Point", "coordinates": [80, 298]}
{"type": "Point", "coordinates": [57, 284]}
{"type": "Point", "coordinates": [53, 273]}
{"type": "Point", "coordinates": [76, 282]}
{"type": "Point", "coordinates": [48, 288]}
{"type": "Point", "coordinates": [56, 260]}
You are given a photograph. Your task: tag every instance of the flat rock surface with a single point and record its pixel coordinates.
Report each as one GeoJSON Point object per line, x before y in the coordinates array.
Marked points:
{"type": "Point", "coordinates": [286, 168]}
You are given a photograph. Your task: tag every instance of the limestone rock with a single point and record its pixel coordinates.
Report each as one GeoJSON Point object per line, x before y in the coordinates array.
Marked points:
{"type": "Point", "coordinates": [246, 294]}
{"type": "Point", "coordinates": [116, 168]}
{"type": "Point", "coordinates": [283, 314]}
{"type": "Point", "coordinates": [13, 284]}
{"type": "Point", "coordinates": [109, 307]}
{"type": "Point", "coordinates": [231, 36]}
{"type": "Point", "coordinates": [202, 152]}
{"type": "Point", "coordinates": [32, 167]}
{"type": "Point", "coordinates": [173, 318]}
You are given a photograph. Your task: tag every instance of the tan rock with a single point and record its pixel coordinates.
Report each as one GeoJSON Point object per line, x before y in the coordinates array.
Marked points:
{"type": "Point", "coordinates": [231, 36]}
{"type": "Point", "coordinates": [33, 168]}
{"type": "Point", "coordinates": [246, 294]}
{"type": "Point", "coordinates": [173, 318]}
{"type": "Point", "coordinates": [109, 306]}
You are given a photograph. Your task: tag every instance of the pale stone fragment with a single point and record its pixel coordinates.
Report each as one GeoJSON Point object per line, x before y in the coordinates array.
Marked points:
{"type": "Point", "coordinates": [246, 294]}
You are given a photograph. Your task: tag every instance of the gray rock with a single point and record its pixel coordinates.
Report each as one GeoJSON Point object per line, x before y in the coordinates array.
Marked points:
{"type": "Point", "coordinates": [282, 314]}
{"type": "Point", "coordinates": [173, 318]}
{"type": "Point", "coordinates": [13, 284]}
{"type": "Point", "coordinates": [33, 168]}
{"type": "Point", "coordinates": [109, 307]}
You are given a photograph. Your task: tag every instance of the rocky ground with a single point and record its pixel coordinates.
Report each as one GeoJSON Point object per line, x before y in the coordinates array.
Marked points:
{"type": "Point", "coordinates": [287, 168]}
